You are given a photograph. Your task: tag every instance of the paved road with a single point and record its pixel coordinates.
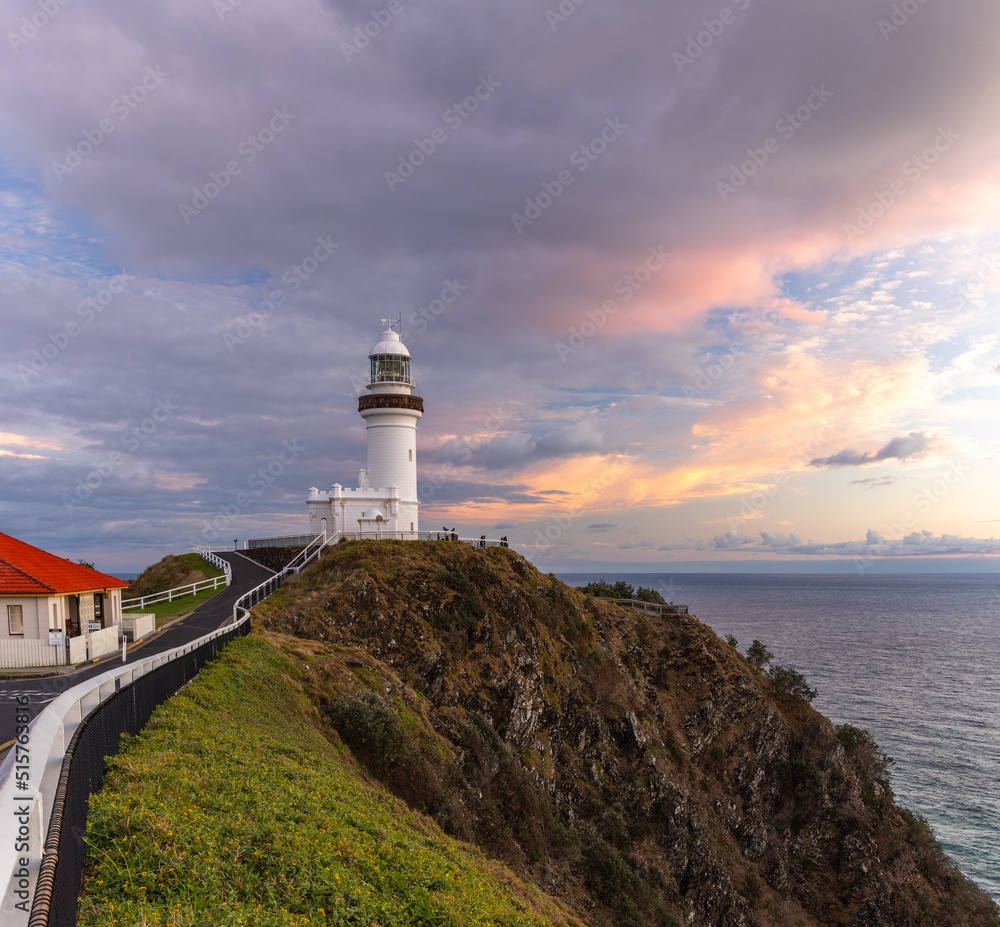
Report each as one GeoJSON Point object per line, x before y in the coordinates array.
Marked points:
{"type": "Point", "coordinates": [209, 616]}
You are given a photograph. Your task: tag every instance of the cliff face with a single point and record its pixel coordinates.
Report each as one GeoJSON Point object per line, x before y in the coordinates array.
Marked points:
{"type": "Point", "coordinates": [641, 769]}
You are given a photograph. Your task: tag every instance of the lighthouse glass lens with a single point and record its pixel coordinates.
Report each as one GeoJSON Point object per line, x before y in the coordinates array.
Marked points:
{"type": "Point", "coordinates": [390, 368]}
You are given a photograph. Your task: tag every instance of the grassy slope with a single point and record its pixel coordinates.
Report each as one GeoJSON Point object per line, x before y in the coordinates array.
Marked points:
{"type": "Point", "coordinates": [419, 655]}
{"type": "Point", "coordinates": [170, 573]}
{"type": "Point", "coordinates": [721, 793]}
{"type": "Point", "coordinates": [233, 807]}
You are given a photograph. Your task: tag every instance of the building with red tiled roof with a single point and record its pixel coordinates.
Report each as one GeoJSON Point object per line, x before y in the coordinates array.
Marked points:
{"type": "Point", "coordinates": [47, 601]}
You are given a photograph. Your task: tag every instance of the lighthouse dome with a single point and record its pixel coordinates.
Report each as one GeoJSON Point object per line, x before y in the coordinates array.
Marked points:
{"type": "Point", "coordinates": [390, 362]}
{"type": "Point", "coordinates": [390, 344]}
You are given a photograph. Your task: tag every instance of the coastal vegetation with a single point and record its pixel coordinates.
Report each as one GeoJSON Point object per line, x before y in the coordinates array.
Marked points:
{"type": "Point", "coordinates": [170, 573]}
{"type": "Point", "coordinates": [627, 770]}
{"type": "Point", "coordinates": [620, 589]}
{"type": "Point", "coordinates": [173, 572]}
{"type": "Point", "coordinates": [233, 807]}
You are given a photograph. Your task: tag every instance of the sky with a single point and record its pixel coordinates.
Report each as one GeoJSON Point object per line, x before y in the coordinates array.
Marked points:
{"type": "Point", "coordinates": [682, 282]}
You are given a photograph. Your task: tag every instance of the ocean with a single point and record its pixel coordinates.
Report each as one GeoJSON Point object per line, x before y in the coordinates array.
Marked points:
{"type": "Point", "coordinates": [915, 659]}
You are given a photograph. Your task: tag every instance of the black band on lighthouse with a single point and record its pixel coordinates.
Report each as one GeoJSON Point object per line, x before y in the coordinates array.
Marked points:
{"type": "Point", "coordinates": [382, 401]}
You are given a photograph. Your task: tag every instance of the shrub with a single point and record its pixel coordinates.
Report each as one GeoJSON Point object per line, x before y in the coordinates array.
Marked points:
{"type": "Point", "coordinates": [758, 654]}
{"type": "Point", "coordinates": [611, 877]}
{"type": "Point", "coordinates": [791, 682]}
{"type": "Point", "coordinates": [602, 589]}
{"type": "Point", "coordinates": [731, 640]}
{"type": "Point", "coordinates": [650, 595]}
{"type": "Point", "coordinates": [869, 759]}
{"type": "Point", "coordinates": [377, 735]}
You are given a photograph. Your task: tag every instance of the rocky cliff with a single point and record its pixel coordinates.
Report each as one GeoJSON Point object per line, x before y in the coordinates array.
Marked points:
{"type": "Point", "coordinates": [640, 769]}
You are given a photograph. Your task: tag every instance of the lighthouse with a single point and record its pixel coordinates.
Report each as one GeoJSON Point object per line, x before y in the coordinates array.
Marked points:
{"type": "Point", "coordinates": [385, 502]}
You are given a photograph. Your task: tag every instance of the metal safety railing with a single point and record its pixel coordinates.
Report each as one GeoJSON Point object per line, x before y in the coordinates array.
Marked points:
{"type": "Point", "coordinates": [57, 762]}
{"type": "Point", "coordinates": [179, 592]}
{"type": "Point", "coordinates": [81, 774]}
{"type": "Point", "coordinates": [309, 553]}
{"type": "Point", "coordinates": [651, 608]}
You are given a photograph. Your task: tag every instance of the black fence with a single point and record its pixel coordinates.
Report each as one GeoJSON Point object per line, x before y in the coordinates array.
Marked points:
{"type": "Point", "coordinates": [126, 712]}
{"type": "Point", "coordinates": [292, 540]}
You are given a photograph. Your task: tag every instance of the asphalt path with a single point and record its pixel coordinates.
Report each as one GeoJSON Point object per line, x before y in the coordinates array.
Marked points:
{"type": "Point", "coordinates": [208, 617]}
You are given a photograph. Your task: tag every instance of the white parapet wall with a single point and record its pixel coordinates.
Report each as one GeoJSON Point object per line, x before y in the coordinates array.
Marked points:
{"type": "Point", "coordinates": [19, 654]}
{"type": "Point", "coordinates": [136, 625]}
{"type": "Point", "coordinates": [103, 642]}
{"type": "Point", "coordinates": [29, 775]}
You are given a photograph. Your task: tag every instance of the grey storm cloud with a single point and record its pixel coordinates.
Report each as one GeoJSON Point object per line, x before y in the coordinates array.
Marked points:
{"type": "Point", "coordinates": [520, 448]}
{"type": "Point", "coordinates": [211, 147]}
{"type": "Point", "coordinates": [915, 544]}
{"type": "Point", "coordinates": [915, 444]}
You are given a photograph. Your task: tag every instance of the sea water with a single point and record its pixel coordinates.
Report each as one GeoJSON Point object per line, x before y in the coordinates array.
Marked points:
{"type": "Point", "coordinates": [915, 659]}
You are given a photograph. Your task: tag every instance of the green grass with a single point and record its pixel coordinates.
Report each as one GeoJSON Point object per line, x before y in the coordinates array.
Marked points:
{"type": "Point", "coordinates": [232, 807]}
{"type": "Point", "coordinates": [167, 611]}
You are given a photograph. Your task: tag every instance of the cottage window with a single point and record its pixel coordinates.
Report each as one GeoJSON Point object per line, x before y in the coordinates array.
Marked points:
{"type": "Point", "coordinates": [15, 619]}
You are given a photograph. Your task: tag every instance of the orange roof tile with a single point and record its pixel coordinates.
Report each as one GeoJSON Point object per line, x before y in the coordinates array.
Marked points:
{"type": "Point", "coordinates": [28, 570]}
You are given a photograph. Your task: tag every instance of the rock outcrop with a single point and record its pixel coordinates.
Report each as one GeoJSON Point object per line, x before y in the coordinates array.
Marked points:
{"type": "Point", "coordinates": [639, 768]}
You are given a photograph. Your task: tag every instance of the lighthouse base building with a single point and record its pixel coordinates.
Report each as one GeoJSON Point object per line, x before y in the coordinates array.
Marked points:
{"type": "Point", "coordinates": [385, 502]}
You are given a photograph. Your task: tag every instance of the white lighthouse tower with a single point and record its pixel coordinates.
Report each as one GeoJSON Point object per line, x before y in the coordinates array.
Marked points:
{"type": "Point", "coordinates": [385, 503]}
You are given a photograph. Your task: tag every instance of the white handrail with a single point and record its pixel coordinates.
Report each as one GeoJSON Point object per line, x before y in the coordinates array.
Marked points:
{"type": "Point", "coordinates": [179, 592]}
{"type": "Point", "coordinates": [217, 562]}
{"type": "Point", "coordinates": [39, 754]}
{"type": "Point", "coordinates": [312, 552]}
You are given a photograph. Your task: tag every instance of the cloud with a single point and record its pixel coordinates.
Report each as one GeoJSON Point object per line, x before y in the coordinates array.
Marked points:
{"type": "Point", "coordinates": [915, 444]}
{"type": "Point", "coordinates": [915, 544]}
{"type": "Point", "coordinates": [731, 316]}
{"type": "Point", "coordinates": [602, 526]}
{"type": "Point", "coordinates": [875, 482]}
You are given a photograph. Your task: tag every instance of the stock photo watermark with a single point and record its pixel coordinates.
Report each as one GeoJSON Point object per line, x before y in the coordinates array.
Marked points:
{"type": "Point", "coordinates": [902, 13]}
{"type": "Point", "coordinates": [926, 333]}
{"type": "Point", "coordinates": [558, 526]}
{"type": "Point", "coordinates": [973, 287]}
{"type": "Point", "coordinates": [121, 108]}
{"type": "Point", "coordinates": [257, 482]}
{"type": "Point", "coordinates": [697, 43]}
{"type": "Point", "coordinates": [581, 158]}
{"type": "Point", "coordinates": [753, 504]}
{"type": "Point", "coordinates": [293, 278]}
{"type": "Point", "coordinates": [224, 7]}
{"type": "Point", "coordinates": [454, 118]}
{"type": "Point", "coordinates": [786, 127]}
{"type": "Point", "coordinates": [421, 319]}
{"type": "Point", "coordinates": [87, 311]}
{"type": "Point", "coordinates": [437, 307]}
{"type": "Point", "coordinates": [886, 544]}
{"type": "Point", "coordinates": [368, 31]}
{"type": "Point", "coordinates": [556, 16]}
{"type": "Point", "coordinates": [625, 287]}
{"type": "Point", "coordinates": [428, 488]}
{"type": "Point", "coordinates": [202, 197]}
{"type": "Point", "coordinates": [714, 369]}
{"type": "Point", "coordinates": [132, 438]}
{"type": "Point", "coordinates": [913, 170]}
{"type": "Point", "coordinates": [31, 26]}
{"type": "Point", "coordinates": [21, 826]}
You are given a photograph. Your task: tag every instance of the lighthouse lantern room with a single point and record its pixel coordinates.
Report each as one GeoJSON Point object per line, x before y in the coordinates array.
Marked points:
{"type": "Point", "coordinates": [387, 488]}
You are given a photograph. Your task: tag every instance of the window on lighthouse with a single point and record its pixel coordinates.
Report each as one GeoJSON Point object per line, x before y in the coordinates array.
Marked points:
{"type": "Point", "coordinates": [411, 453]}
{"type": "Point", "coordinates": [390, 368]}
